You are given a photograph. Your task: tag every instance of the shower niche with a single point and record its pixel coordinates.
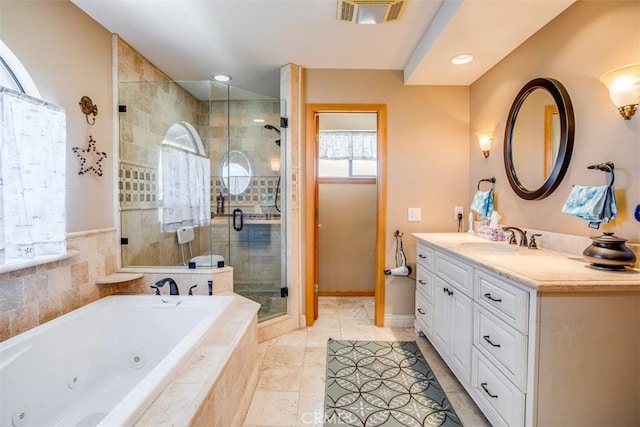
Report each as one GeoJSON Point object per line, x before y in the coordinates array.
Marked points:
{"type": "Point", "coordinates": [223, 177]}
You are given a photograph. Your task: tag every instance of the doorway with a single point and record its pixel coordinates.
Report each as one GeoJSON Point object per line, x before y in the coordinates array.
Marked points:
{"type": "Point", "coordinates": [359, 170]}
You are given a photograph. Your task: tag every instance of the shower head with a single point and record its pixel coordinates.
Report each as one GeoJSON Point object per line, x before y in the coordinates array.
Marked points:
{"type": "Point", "coordinates": [272, 128]}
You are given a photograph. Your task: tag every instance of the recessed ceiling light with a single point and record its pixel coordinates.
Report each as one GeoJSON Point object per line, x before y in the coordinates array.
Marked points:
{"type": "Point", "coordinates": [222, 77]}
{"type": "Point", "coordinates": [258, 120]}
{"type": "Point", "coordinates": [463, 58]}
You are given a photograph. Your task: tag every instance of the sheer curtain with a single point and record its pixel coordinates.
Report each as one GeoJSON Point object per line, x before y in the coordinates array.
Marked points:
{"type": "Point", "coordinates": [348, 145]}
{"type": "Point", "coordinates": [32, 169]}
{"type": "Point", "coordinates": [186, 190]}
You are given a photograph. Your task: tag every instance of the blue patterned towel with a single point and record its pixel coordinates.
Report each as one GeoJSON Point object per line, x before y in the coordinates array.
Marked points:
{"type": "Point", "coordinates": [483, 203]}
{"type": "Point", "coordinates": [592, 204]}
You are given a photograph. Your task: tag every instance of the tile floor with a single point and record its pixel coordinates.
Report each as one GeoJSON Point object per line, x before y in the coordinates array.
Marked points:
{"type": "Point", "coordinates": [290, 389]}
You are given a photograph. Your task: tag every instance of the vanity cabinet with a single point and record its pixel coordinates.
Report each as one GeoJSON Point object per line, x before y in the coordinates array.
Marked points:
{"type": "Point", "coordinates": [500, 344]}
{"type": "Point", "coordinates": [450, 289]}
{"type": "Point", "coordinates": [535, 337]}
{"type": "Point", "coordinates": [424, 290]}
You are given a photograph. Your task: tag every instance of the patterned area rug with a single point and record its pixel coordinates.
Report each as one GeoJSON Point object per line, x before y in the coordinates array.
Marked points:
{"type": "Point", "coordinates": [383, 383]}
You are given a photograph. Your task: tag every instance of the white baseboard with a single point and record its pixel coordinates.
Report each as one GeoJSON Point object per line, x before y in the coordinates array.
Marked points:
{"type": "Point", "coordinates": [399, 320]}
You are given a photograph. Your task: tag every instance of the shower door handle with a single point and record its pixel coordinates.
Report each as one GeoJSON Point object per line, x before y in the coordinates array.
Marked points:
{"type": "Point", "coordinates": [238, 213]}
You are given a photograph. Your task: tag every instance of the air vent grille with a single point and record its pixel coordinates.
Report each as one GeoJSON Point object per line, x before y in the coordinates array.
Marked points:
{"type": "Point", "coordinates": [394, 11]}
{"type": "Point", "coordinates": [348, 9]}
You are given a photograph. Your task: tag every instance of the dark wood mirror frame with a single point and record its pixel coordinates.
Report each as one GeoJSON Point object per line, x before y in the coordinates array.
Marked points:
{"type": "Point", "coordinates": [567, 128]}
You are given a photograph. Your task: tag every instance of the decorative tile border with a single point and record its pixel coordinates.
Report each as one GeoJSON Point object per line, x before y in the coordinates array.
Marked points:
{"type": "Point", "coordinates": [260, 188]}
{"type": "Point", "coordinates": [137, 186]}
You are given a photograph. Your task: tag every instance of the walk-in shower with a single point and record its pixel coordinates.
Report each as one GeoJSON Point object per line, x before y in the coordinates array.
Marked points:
{"type": "Point", "coordinates": [221, 177]}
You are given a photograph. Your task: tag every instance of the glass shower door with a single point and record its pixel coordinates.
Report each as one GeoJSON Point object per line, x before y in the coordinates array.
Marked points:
{"type": "Point", "coordinates": [248, 181]}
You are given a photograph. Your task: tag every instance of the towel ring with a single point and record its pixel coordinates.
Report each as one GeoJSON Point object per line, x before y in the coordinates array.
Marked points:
{"type": "Point", "coordinates": [492, 180]}
{"type": "Point", "coordinates": [606, 167]}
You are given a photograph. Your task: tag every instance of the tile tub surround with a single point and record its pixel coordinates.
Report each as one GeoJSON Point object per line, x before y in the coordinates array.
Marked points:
{"type": "Point", "coordinates": [222, 280]}
{"type": "Point", "coordinates": [543, 270]}
{"type": "Point", "coordinates": [215, 385]}
{"type": "Point", "coordinates": [34, 295]}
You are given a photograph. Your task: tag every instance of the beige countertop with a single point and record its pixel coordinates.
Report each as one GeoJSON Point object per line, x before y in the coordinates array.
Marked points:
{"type": "Point", "coordinates": [541, 269]}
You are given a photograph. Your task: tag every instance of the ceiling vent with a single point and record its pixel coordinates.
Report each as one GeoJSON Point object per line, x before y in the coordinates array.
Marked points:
{"type": "Point", "coordinates": [370, 11]}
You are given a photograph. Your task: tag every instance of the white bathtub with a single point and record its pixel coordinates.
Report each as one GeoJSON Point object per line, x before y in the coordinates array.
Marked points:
{"type": "Point", "coordinates": [103, 364]}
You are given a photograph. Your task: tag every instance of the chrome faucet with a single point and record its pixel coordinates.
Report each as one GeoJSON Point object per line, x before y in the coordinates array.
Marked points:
{"type": "Point", "coordinates": [523, 236]}
{"type": "Point", "coordinates": [173, 287]}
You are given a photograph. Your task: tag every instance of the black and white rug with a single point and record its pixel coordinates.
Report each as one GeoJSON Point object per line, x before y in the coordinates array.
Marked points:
{"type": "Point", "coordinates": [383, 383]}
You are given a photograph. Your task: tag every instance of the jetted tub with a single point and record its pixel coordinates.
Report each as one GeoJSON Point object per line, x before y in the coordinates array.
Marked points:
{"type": "Point", "coordinates": [102, 364]}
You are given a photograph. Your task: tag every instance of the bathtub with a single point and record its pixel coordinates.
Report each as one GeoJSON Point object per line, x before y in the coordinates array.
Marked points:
{"type": "Point", "coordinates": [103, 364]}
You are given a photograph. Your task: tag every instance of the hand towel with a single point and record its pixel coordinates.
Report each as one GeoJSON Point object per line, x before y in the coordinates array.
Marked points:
{"type": "Point", "coordinates": [593, 204]}
{"type": "Point", "coordinates": [483, 203]}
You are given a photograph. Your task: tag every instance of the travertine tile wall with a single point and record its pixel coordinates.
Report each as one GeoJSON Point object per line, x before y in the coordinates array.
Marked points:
{"type": "Point", "coordinates": [153, 104]}
{"type": "Point", "coordinates": [32, 296]}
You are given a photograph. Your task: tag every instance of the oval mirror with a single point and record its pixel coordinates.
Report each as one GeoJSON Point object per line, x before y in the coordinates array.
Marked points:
{"type": "Point", "coordinates": [538, 138]}
{"type": "Point", "coordinates": [235, 170]}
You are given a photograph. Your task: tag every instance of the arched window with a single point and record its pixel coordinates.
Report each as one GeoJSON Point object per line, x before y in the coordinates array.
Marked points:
{"type": "Point", "coordinates": [32, 168]}
{"type": "Point", "coordinates": [185, 188]}
{"type": "Point", "coordinates": [13, 75]}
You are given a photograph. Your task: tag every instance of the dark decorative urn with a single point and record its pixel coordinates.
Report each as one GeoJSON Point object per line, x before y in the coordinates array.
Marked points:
{"type": "Point", "coordinates": [609, 252]}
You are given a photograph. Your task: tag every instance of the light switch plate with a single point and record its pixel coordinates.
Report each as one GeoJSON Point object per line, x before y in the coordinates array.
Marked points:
{"type": "Point", "coordinates": [414, 214]}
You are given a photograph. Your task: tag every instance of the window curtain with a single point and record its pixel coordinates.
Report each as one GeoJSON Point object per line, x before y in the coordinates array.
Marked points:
{"type": "Point", "coordinates": [32, 170]}
{"type": "Point", "coordinates": [348, 145]}
{"type": "Point", "coordinates": [186, 189]}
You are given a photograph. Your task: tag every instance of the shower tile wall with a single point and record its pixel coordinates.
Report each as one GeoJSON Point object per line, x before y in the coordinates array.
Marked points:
{"type": "Point", "coordinates": [153, 104]}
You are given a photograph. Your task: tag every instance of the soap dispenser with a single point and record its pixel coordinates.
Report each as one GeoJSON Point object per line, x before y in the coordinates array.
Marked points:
{"type": "Point", "coordinates": [220, 204]}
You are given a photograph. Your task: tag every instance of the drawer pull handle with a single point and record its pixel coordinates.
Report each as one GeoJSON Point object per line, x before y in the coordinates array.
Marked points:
{"type": "Point", "coordinates": [484, 387]}
{"type": "Point", "coordinates": [422, 282]}
{"type": "Point", "coordinates": [487, 295]}
{"type": "Point", "coordinates": [420, 311]}
{"type": "Point", "coordinates": [487, 339]}
{"type": "Point", "coordinates": [422, 256]}
{"type": "Point", "coordinates": [447, 291]}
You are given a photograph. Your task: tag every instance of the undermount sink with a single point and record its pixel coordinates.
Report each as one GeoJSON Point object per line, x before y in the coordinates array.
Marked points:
{"type": "Point", "coordinates": [489, 247]}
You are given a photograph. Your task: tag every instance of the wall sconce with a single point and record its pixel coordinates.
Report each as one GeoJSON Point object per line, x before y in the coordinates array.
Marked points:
{"type": "Point", "coordinates": [485, 138]}
{"type": "Point", "coordinates": [624, 88]}
{"type": "Point", "coordinates": [88, 108]}
{"type": "Point", "coordinates": [275, 165]}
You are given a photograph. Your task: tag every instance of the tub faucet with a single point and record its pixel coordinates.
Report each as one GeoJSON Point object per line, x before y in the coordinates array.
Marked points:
{"type": "Point", "coordinates": [523, 236]}
{"type": "Point", "coordinates": [173, 287]}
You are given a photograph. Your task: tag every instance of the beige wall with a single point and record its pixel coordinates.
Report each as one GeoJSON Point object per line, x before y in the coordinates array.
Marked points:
{"type": "Point", "coordinates": [68, 56]}
{"type": "Point", "coordinates": [585, 41]}
{"type": "Point", "coordinates": [428, 155]}
{"type": "Point", "coordinates": [347, 239]}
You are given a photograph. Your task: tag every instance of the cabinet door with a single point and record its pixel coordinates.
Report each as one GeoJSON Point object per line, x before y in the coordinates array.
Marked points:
{"type": "Point", "coordinates": [461, 335]}
{"type": "Point", "coordinates": [424, 315]}
{"type": "Point", "coordinates": [441, 315]}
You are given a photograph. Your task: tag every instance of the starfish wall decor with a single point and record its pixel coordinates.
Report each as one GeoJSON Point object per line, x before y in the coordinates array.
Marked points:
{"type": "Point", "coordinates": [90, 158]}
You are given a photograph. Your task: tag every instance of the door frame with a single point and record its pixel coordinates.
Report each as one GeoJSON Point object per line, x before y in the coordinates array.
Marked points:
{"type": "Point", "coordinates": [311, 203]}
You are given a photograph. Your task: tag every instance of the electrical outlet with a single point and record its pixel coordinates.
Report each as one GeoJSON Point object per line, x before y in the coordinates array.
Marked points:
{"type": "Point", "coordinates": [458, 211]}
{"type": "Point", "coordinates": [414, 214]}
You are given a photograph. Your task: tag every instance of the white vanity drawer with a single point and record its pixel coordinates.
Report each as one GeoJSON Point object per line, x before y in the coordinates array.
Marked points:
{"type": "Point", "coordinates": [424, 282]}
{"type": "Point", "coordinates": [504, 404]}
{"type": "Point", "coordinates": [502, 344]}
{"type": "Point", "coordinates": [425, 256]}
{"type": "Point", "coordinates": [508, 302]}
{"type": "Point", "coordinates": [424, 315]}
{"type": "Point", "coordinates": [455, 272]}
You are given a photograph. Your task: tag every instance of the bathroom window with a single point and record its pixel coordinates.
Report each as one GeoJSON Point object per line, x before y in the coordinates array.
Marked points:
{"type": "Point", "coordinates": [185, 189]}
{"type": "Point", "coordinates": [13, 75]}
{"type": "Point", "coordinates": [32, 164]}
{"type": "Point", "coordinates": [347, 154]}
